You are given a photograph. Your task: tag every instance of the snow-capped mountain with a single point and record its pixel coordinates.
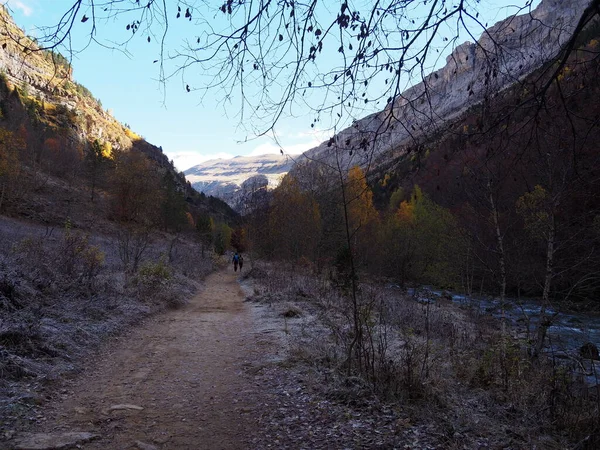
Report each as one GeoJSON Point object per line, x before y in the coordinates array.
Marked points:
{"type": "Point", "coordinates": [223, 178]}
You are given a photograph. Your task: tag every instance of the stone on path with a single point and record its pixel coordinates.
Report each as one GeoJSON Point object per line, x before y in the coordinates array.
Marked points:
{"type": "Point", "coordinates": [124, 407]}
{"type": "Point", "coordinates": [143, 446]}
{"type": "Point", "coordinates": [51, 441]}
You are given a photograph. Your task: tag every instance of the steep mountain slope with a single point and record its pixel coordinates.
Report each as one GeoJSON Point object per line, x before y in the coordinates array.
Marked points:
{"type": "Point", "coordinates": [473, 73]}
{"type": "Point", "coordinates": [514, 175]}
{"type": "Point", "coordinates": [53, 125]}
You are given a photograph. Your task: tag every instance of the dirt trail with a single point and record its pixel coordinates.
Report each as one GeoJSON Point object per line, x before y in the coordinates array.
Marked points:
{"type": "Point", "coordinates": [190, 370]}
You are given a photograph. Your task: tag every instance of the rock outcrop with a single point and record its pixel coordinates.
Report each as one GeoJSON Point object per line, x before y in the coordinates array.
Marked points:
{"type": "Point", "coordinates": [505, 53]}
{"type": "Point", "coordinates": [47, 79]}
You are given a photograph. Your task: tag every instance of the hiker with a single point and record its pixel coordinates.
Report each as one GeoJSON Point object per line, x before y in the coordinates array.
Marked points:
{"type": "Point", "coordinates": [241, 262]}
{"type": "Point", "coordinates": [236, 260]}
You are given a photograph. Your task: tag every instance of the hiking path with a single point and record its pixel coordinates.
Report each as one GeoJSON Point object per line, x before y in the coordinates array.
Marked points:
{"type": "Point", "coordinates": [183, 379]}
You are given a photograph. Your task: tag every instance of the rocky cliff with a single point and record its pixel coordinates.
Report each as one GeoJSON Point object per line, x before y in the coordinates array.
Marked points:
{"type": "Point", "coordinates": [503, 55]}
{"type": "Point", "coordinates": [46, 78]}
{"type": "Point", "coordinates": [57, 122]}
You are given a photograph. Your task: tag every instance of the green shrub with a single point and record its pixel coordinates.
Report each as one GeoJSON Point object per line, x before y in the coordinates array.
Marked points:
{"type": "Point", "coordinates": [153, 273]}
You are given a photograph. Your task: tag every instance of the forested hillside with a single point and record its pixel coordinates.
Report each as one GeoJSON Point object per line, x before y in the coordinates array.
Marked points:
{"type": "Point", "coordinates": [503, 201]}
{"type": "Point", "coordinates": [494, 219]}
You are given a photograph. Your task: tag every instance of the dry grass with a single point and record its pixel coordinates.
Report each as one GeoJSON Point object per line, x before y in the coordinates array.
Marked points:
{"type": "Point", "coordinates": [63, 293]}
{"type": "Point", "coordinates": [452, 371]}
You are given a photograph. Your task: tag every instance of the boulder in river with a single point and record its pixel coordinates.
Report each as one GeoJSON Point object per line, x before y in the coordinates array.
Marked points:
{"type": "Point", "coordinates": [589, 351]}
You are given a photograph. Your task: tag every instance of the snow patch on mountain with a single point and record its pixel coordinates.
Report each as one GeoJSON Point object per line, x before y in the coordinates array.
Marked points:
{"type": "Point", "coordinates": [223, 178]}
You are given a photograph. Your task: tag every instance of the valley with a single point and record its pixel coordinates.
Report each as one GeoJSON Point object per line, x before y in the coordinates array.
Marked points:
{"type": "Point", "coordinates": [427, 277]}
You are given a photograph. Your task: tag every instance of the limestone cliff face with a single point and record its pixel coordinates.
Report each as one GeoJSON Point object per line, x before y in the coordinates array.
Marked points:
{"type": "Point", "coordinates": [505, 53]}
{"type": "Point", "coordinates": [46, 80]}
{"type": "Point", "coordinates": [23, 62]}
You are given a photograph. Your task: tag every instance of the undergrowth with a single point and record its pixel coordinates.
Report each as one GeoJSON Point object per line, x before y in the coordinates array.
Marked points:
{"type": "Point", "coordinates": [62, 293]}
{"type": "Point", "coordinates": [449, 367]}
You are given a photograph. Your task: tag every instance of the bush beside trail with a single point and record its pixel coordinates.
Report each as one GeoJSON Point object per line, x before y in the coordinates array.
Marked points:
{"type": "Point", "coordinates": [430, 368]}
{"type": "Point", "coordinates": [63, 292]}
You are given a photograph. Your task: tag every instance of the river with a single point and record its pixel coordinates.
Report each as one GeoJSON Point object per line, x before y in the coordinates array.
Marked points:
{"type": "Point", "coordinates": [567, 334]}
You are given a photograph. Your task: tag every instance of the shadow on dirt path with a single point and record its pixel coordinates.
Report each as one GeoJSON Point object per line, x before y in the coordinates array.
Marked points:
{"type": "Point", "coordinates": [180, 381]}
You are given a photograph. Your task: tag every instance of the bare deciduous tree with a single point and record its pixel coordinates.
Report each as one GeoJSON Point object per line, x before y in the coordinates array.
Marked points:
{"type": "Point", "coordinates": [340, 60]}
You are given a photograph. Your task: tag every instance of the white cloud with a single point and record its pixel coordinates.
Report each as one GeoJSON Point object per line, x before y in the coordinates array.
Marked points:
{"type": "Point", "coordinates": [185, 160]}
{"type": "Point", "coordinates": [268, 148]}
{"type": "Point", "coordinates": [20, 5]}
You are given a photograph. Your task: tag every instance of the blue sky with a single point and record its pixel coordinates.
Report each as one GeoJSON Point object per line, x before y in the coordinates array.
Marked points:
{"type": "Point", "coordinates": [190, 128]}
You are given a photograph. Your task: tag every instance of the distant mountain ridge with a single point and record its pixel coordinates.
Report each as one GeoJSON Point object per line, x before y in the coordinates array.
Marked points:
{"type": "Point", "coordinates": [225, 178]}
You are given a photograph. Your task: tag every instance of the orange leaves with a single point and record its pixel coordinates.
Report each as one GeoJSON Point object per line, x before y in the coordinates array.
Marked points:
{"type": "Point", "coordinates": [406, 212]}
{"type": "Point", "coordinates": [53, 145]}
{"type": "Point", "coordinates": [190, 220]}
{"type": "Point", "coordinates": [409, 209]}
{"type": "Point", "coordinates": [360, 200]}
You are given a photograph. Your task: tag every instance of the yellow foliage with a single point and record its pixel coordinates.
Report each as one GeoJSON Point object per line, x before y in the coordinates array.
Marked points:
{"type": "Point", "coordinates": [132, 135]}
{"type": "Point", "coordinates": [360, 200]}
{"type": "Point", "coordinates": [564, 73]}
{"type": "Point", "coordinates": [49, 107]}
{"type": "Point", "coordinates": [425, 237]}
{"type": "Point", "coordinates": [396, 199]}
{"type": "Point", "coordinates": [406, 212]}
{"type": "Point", "coordinates": [385, 180]}
{"type": "Point", "coordinates": [534, 208]}
{"type": "Point", "coordinates": [107, 150]}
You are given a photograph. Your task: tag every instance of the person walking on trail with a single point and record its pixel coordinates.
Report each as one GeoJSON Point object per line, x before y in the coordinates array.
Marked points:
{"type": "Point", "coordinates": [241, 261]}
{"type": "Point", "coordinates": [236, 260]}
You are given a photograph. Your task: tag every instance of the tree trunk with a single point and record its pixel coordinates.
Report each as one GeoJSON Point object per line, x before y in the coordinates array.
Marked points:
{"type": "Point", "coordinates": [357, 340]}
{"type": "Point", "coordinates": [545, 321]}
{"type": "Point", "coordinates": [501, 256]}
{"type": "Point", "coordinates": [2, 195]}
